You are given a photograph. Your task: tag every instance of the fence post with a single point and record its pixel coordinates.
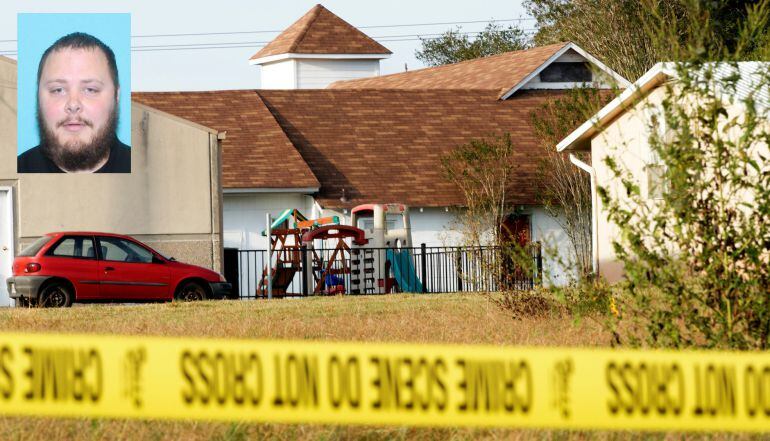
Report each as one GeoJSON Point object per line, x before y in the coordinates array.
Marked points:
{"type": "Point", "coordinates": [539, 252]}
{"type": "Point", "coordinates": [459, 270]}
{"type": "Point", "coordinates": [303, 260]}
{"type": "Point", "coordinates": [423, 268]}
{"type": "Point", "coordinates": [269, 222]}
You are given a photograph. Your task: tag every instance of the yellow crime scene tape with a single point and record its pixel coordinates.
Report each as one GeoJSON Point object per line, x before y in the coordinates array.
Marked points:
{"type": "Point", "coordinates": [368, 383]}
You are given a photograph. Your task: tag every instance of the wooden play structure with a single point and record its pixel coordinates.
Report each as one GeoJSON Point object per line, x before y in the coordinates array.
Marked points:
{"type": "Point", "coordinates": [328, 275]}
{"type": "Point", "coordinates": [289, 232]}
{"type": "Point", "coordinates": [366, 257]}
{"type": "Point", "coordinates": [286, 243]}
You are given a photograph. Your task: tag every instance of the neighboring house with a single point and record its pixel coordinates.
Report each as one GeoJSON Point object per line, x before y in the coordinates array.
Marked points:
{"type": "Point", "coordinates": [378, 139]}
{"type": "Point", "coordinates": [621, 130]}
{"type": "Point", "coordinates": [170, 200]}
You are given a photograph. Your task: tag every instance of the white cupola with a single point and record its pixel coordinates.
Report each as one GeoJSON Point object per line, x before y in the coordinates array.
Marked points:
{"type": "Point", "coordinates": [317, 50]}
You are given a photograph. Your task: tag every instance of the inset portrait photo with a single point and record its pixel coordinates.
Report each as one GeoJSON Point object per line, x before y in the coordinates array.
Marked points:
{"type": "Point", "coordinates": [74, 93]}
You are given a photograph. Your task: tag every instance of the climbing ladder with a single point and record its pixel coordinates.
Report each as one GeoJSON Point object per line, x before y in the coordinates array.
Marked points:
{"type": "Point", "coordinates": [362, 271]}
{"type": "Point", "coordinates": [285, 244]}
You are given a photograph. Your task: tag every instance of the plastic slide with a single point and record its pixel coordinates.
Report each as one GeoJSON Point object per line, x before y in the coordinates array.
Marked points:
{"type": "Point", "coordinates": [403, 271]}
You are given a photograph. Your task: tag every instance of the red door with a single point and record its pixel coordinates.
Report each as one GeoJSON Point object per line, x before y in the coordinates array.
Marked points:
{"type": "Point", "coordinates": [516, 230]}
{"type": "Point", "coordinates": [74, 258]}
{"type": "Point", "coordinates": [516, 235]}
{"type": "Point", "coordinates": [128, 271]}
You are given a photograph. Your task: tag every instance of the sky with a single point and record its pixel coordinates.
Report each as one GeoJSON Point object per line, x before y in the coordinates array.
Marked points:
{"type": "Point", "coordinates": [162, 62]}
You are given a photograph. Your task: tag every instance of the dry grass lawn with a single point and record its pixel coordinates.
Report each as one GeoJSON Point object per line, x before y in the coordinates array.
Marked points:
{"type": "Point", "coordinates": [451, 318]}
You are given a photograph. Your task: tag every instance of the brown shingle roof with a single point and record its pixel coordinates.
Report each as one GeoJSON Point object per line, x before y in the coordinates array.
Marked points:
{"type": "Point", "coordinates": [319, 31]}
{"type": "Point", "coordinates": [497, 72]}
{"type": "Point", "coordinates": [256, 153]}
{"type": "Point", "coordinates": [385, 145]}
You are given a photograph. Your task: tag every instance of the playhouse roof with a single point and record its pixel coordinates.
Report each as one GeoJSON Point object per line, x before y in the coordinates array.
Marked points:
{"type": "Point", "coordinates": [321, 32]}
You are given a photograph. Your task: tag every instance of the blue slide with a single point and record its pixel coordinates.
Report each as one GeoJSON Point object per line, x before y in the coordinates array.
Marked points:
{"type": "Point", "coordinates": [403, 271]}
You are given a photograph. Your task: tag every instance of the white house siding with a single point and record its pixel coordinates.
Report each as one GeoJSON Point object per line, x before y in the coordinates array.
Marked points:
{"type": "Point", "coordinates": [558, 267]}
{"type": "Point", "coordinates": [437, 227]}
{"type": "Point", "coordinates": [244, 216]}
{"type": "Point", "coordinates": [626, 140]}
{"type": "Point", "coordinates": [279, 75]}
{"type": "Point", "coordinates": [317, 74]}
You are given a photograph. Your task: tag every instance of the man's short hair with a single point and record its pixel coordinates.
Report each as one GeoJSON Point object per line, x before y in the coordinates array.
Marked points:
{"type": "Point", "coordinates": [81, 40]}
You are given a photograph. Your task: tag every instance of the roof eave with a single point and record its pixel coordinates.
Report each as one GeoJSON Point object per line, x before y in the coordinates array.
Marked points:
{"type": "Point", "coordinates": [579, 139]}
{"type": "Point", "coordinates": [291, 55]}
{"type": "Point", "coordinates": [244, 190]}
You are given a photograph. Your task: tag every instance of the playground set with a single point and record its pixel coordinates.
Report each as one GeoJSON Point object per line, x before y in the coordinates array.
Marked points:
{"type": "Point", "coordinates": [331, 258]}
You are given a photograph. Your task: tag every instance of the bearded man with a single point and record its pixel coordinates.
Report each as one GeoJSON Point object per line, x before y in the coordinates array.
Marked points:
{"type": "Point", "coordinates": [77, 110]}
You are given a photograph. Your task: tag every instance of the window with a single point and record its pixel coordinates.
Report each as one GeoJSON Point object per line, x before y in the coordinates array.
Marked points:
{"type": "Point", "coordinates": [657, 185]}
{"type": "Point", "coordinates": [660, 135]}
{"type": "Point", "coordinates": [121, 250]}
{"type": "Point", "coordinates": [32, 249]}
{"type": "Point", "coordinates": [368, 224]}
{"type": "Point", "coordinates": [80, 247]}
{"type": "Point", "coordinates": [566, 73]}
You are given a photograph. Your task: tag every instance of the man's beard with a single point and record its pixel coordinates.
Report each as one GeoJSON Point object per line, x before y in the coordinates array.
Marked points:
{"type": "Point", "coordinates": [78, 156]}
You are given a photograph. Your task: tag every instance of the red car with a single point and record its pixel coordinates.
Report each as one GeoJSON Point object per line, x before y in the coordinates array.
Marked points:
{"type": "Point", "coordinates": [61, 268]}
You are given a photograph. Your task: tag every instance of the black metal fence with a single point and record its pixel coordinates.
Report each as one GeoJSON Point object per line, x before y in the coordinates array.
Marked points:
{"type": "Point", "coordinates": [322, 271]}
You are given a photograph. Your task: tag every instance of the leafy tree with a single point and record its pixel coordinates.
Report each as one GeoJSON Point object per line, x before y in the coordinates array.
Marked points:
{"type": "Point", "coordinates": [695, 237]}
{"type": "Point", "coordinates": [626, 34]}
{"type": "Point", "coordinates": [565, 190]}
{"type": "Point", "coordinates": [695, 231]}
{"type": "Point", "coordinates": [455, 45]}
{"type": "Point", "coordinates": [483, 170]}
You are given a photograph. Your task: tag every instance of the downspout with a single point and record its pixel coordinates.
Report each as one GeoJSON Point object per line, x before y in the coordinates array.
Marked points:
{"type": "Point", "coordinates": [216, 154]}
{"type": "Point", "coordinates": [594, 205]}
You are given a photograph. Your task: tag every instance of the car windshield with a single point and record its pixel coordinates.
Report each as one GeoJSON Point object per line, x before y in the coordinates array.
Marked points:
{"type": "Point", "coordinates": [32, 249]}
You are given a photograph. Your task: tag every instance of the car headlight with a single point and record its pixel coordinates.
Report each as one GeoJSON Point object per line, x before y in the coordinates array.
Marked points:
{"type": "Point", "coordinates": [221, 278]}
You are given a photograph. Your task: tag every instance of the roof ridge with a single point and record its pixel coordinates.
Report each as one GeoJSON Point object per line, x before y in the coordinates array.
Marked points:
{"type": "Point", "coordinates": [316, 12]}
{"type": "Point", "coordinates": [272, 111]}
{"type": "Point", "coordinates": [321, 32]}
{"type": "Point", "coordinates": [193, 91]}
{"type": "Point", "coordinates": [451, 65]}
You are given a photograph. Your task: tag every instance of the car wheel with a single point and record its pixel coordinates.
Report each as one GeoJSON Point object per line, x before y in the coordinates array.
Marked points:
{"type": "Point", "coordinates": [56, 295]}
{"type": "Point", "coordinates": [191, 292]}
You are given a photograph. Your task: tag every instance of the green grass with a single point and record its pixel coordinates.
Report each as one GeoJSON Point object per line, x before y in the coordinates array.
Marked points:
{"type": "Point", "coordinates": [452, 318]}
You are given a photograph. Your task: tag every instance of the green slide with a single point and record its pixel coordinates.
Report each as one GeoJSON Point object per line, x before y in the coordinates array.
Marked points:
{"type": "Point", "coordinates": [403, 271]}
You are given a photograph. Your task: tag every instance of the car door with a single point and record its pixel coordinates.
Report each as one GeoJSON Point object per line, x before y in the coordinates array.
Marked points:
{"type": "Point", "coordinates": [73, 257]}
{"type": "Point", "coordinates": [129, 271]}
